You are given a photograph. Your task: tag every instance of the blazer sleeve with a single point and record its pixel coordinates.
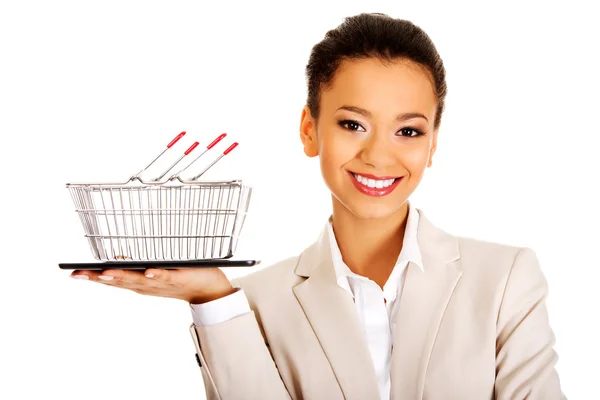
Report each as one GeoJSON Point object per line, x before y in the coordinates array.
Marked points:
{"type": "Point", "coordinates": [236, 362]}
{"type": "Point", "coordinates": [525, 358]}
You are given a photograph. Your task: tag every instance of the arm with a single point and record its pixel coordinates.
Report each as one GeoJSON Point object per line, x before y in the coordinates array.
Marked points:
{"type": "Point", "coordinates": [235, 360]}
{"type": "Point", "coordinates": [525, 357]}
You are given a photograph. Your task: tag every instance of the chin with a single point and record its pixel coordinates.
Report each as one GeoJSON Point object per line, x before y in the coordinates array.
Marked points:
{"type": "Point", "coordinates": [371, 210]}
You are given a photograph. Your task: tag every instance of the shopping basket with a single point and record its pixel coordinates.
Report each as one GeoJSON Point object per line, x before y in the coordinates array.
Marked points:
{"type": "Point", "coordinates": [163, 219]}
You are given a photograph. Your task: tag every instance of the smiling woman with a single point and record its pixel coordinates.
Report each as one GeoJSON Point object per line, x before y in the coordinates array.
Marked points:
{"type": "Point", "coordinates": [375, 131]}
{"type": "Point", "coordinates": [384, 304]}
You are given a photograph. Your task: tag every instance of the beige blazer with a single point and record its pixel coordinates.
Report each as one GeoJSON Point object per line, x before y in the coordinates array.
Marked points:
{"type": "Point", "coordinates": [473, 325]}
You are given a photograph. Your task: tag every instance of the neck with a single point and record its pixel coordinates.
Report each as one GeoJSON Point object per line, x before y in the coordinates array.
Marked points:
{"type": "Point", "coordinates": [369, 247]}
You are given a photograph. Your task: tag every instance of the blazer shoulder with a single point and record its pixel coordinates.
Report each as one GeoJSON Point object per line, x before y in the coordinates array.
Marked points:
{"type": "Point", "coordinates": [468, 250]}
{"type": "Point", "coordinates": [471, 244]}
{"type": "Point", "coordinates": [486, 254]}
{"type": "Point", "coordinates": [489, 268]}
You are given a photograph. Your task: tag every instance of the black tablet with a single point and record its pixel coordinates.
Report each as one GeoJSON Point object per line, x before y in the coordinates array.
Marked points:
{"type": "Point", "coordinates": [143, 265]}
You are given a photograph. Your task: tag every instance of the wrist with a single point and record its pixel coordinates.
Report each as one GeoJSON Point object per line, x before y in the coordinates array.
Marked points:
{"type": "Point", "coordinates": [215, 295]}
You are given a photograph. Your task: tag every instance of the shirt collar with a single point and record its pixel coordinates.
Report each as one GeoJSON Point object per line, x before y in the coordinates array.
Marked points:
{"type": "Point", "coordinates": [410, 253]}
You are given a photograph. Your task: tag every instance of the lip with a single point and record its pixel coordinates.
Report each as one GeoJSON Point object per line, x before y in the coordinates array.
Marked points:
{"type": "Point", "coordinates": [379, 178]}
{"type": "Point", "coordinates": [375, 192]}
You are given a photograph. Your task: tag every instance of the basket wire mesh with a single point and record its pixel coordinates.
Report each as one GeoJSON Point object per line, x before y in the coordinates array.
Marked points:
{"type": "Point", "coordinates": [180, 221]}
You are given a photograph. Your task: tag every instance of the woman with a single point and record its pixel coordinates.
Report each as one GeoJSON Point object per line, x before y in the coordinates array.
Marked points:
{"type": "Point", "coordinates": [384, 304]}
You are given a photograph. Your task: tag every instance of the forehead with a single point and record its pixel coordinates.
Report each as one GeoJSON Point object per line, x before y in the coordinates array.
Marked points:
{"type": "Point", "coordinates": [398, 85]}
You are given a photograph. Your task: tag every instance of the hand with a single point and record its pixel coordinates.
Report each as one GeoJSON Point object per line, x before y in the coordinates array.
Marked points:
{"type": "Point", "coordinates": [193, 285]}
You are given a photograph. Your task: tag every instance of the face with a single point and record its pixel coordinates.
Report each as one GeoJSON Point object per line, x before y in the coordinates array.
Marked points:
{"type": "Point", "coordinates": [374, 135]}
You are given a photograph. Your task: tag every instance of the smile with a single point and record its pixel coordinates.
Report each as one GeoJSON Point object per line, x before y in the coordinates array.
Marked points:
{"type": "Point", "coordinates": [374, 186]}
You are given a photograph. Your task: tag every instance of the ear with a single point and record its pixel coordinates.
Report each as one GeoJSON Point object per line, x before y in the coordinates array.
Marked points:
{"type": "Point", "coordinates": [308, 133]}
{"type": "Point", "coordinates": [433, 147]}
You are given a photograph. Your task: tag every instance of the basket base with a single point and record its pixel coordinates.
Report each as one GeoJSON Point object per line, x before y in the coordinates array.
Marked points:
{"type": "Point", "coordinates": [143, 265]}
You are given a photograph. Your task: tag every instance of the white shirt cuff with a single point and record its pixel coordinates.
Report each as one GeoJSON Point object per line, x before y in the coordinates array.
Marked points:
{"type": "Point", "coordinates": [220, 310]}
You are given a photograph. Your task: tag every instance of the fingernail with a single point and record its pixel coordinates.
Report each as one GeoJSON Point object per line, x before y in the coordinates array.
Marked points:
{"type": "Point", "coordinates": [106, 277]}
{"type": "Point", "coordinates": [149, 275]}
{"type": "Point", "coordinates": [80, 277]}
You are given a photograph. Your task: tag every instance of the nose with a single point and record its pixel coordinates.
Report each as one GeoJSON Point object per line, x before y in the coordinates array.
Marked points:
{"type": "Point", "coordinates": [378, 151]}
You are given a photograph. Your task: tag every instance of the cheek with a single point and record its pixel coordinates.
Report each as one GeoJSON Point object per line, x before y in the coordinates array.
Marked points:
{"type": "Point", "coordinates": [415, 159]}
{"type": "Point", "coordinates": [335, 152]}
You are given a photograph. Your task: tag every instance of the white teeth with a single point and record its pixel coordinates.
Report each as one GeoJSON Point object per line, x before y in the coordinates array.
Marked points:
{"type": "Point", "coordinates": [373, 183]}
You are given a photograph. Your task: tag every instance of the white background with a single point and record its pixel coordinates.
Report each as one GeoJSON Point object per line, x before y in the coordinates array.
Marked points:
{"type": "Point", "coordinates": [90, 91]}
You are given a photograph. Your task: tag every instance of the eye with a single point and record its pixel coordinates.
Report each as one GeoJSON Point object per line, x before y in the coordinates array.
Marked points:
{"type": "Point", "coordinates": [351, 125]}
{"type": "Point", "coordinates": [410, 132]}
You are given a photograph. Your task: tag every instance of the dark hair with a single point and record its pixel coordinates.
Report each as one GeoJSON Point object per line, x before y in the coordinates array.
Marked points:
{"type": "Point", "coordinates": [373, 35]}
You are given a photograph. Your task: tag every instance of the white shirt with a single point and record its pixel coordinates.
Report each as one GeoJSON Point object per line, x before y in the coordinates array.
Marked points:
{"type": "Point", "coordinates": [376, 316]}
{"type": "Point", "coordinates": [376, 308]}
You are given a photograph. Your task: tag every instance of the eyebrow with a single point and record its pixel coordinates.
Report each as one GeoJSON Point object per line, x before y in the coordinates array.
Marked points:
{"type": "Point", "coordinates": [399, 117]}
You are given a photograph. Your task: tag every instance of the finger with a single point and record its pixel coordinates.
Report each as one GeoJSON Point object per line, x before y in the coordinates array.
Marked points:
{"type": "Point", "coordinates": [122, 276]}
{"type": "Point", "coordinates": [85, 275]}
{"type": "Point", "coordinates": [135, 281]}
{"type": "Point", "coordinates": [159, 275]}
{"type": "Point", "coordinates": [97, 276]}
{"type": "Point", "coordinates": [132, 280]}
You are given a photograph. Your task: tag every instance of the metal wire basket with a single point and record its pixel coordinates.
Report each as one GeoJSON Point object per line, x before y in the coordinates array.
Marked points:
{"type": "Point", "coordinates": [166, 220]}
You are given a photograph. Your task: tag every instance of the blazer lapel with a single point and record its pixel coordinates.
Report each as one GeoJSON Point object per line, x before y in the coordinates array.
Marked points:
{"type": "Point", "coordinates": [332, 315]}
{"type": "Point", "coordinates": [422, 304]}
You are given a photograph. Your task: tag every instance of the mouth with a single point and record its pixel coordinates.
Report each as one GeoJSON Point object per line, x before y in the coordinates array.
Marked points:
{"type": "Point", "coordinates": [374, 186]}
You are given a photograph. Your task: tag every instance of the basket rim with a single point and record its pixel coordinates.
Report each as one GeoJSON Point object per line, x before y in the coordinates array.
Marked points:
{"type": "Point", "coordinates": [178, 182]}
